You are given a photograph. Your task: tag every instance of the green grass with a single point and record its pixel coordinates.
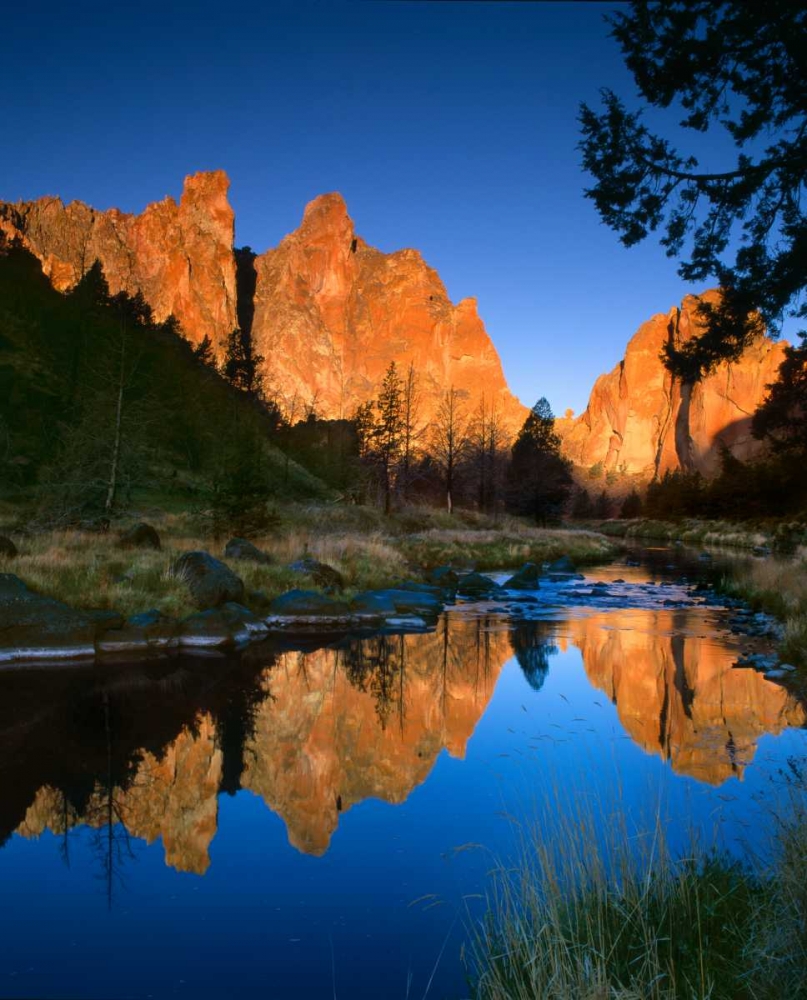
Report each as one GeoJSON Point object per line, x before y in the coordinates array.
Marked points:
{"type": "Point", "coordinates": [587, 916]}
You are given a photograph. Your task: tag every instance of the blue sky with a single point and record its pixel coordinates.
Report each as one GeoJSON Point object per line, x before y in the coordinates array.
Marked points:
{"type": "Point", "coordinates": [450, 127]}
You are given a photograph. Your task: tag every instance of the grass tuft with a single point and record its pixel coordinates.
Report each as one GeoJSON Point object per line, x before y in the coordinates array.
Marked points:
{"type": "Point", "coordinates": [587, 916]}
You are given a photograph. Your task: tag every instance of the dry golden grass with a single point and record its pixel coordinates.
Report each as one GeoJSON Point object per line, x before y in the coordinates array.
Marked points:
{"type": "Point", "coordinates": [89, 570]}
{"type": "Point", "coordinates": [779, 587]}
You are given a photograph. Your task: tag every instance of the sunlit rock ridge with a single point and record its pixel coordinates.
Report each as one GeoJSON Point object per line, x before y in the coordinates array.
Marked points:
{"type": "Point", "coordinates": [641, 421]}
{"type": "Point", "coordinates": [327, 311]}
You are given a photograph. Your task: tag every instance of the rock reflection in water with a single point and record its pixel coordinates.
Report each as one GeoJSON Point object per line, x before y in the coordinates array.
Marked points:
{"type": "Point", "coordinates": [315, 732]}
{"type": "Point", "coordinates": [677, 692]}
{"type": "Point", "coordinates": [318, 732]}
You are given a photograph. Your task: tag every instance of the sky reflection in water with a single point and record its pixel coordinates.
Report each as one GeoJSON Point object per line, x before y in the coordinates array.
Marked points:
{"type": "Point", "coordinates": [274, 819]}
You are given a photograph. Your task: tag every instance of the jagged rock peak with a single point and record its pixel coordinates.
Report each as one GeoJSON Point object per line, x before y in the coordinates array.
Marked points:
{"type": "Point", "coordinates": [327, 311]}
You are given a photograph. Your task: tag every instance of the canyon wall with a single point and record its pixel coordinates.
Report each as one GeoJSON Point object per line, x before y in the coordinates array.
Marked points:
{"type": "Point", "coordinates": [327, 311]}
{"type": "Point", "coordinates": [331, 313]}
{"type": "Point", "coordinates": [641, 421]}
{"type": "Point", "coordinates": [179, 256]}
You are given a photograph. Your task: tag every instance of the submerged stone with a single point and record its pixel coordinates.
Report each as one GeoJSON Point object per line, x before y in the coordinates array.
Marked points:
{"type": "Point", "coordinates": [527, 578]}
{"type": "Point", "coordinates": [306, 603]}
{"type": "Point", "coordinates": [477, 585]}
{"type": "Point", "coordinates": [562, 565]}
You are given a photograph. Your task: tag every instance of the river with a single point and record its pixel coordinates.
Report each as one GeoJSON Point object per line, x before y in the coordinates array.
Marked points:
{"type": "Point", "coordinates": [319, 818]}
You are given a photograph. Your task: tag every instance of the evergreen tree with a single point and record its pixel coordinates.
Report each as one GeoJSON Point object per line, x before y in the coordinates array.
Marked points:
{"type": "Point", "coordinates": [388, 431]}
{"type": "Point", "coordinates": [631, 506]}
{"type": "Point", "coordinates": [538, 477]}
{"type": "Point", "coordinates": [602, 507]}
{"type": "Point", "coordinates": [782, 418]}
{"type": "Point", "coordinates": [583, 508]}
{"type": "Point", "coordinates": [242, 364]}
{"type": "Point", "coordinates": [203, 353]}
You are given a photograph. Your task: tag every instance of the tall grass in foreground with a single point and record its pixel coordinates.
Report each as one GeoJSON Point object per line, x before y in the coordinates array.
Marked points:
{"type": "Point", "coordinates": [587, 915]}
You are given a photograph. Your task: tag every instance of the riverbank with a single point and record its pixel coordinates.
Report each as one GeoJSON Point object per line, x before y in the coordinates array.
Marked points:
{"type": "Point", "coordinates": [784, 537]}
{"type": "Point", "coordinates": [584, 916]}
{"type": "Point", "coordinates": [90, 569]}
{"type": "Point", "coordinates": [780, 589]}
{"type": "Point", "coordinates": [777, 586]}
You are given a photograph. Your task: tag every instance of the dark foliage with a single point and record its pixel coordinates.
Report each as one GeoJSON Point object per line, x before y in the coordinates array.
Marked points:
{"type": "Point", "coordinates": [782, 418]}
{"type": "Point", "coordinates": [242, 365]}
{"type": "Point", "coordinates": [631, 505]}
{"type": "Point", "coordinates": [79, 371]}
{"type": "Point", "coordinates": [773, 487]}
{"type": "Point", "coordinates": [736, 67]}
{"type": "Point", "coordinates": [538, 478]}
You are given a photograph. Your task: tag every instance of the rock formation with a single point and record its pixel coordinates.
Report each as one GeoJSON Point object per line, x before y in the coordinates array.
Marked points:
{"type": "Point", "coordinates": [327, 311]}
{"type": "Point", "coordinates": [641, 421]}
{"type": "Point", "coordinates": [173, 796]}
{"type": "Point", "coordinates": [331, 313]}
{"type": "Point", "coordinates": [323, 743]}
{"type": "Point", "coordinates": [180, 257]}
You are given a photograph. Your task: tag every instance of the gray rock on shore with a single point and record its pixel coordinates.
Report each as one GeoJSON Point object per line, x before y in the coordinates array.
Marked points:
{"type": "Point", "coordinates": [241, 548]}
{"type": "Point", "coordinates": [35, 627]}
{"type": "Point", "coordinates": [210, 582]}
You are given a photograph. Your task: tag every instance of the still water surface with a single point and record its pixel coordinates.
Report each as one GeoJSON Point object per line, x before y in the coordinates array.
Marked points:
{"type": "Point", "coordinates": [318, 820]}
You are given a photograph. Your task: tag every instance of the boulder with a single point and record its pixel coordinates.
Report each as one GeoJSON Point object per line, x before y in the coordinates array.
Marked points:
{"type": "Point", "coordinates": [209, 581]}
{"type": "Point", "coordinates": [374, 602]}
{"type": "Point", "coordinates": [33, 627]}
{"type": "Point", "coordinates": [240, 548]}
{"type": "Point", "coordinates": [476, 585]}
{"type": "Point", "coordinates": [412, 602]}
{"type": "Point", "coordinates": [307, 603]}
{"type": "Point", "coordinates": [562, 565]}
{"type": "Point", "coordinates": [148, 630]}
{"type": "Point", "coordinates": [7, 548]}
{"type": "Point", "coordinates": [322, 574]}
{"type": "Point", "coordinates": [140, 536]}
{"type": "Point", "coordinates": [446, 577]}
{"type": "Point", "coordinates": [526, 579]}
{"type": "Point", "coordinates": [418, 588]}
{"type": "Point", "coordinates": [232, 625]}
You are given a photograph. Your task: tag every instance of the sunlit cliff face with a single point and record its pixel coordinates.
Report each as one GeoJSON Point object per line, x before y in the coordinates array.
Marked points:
{"type": "Point", "coordinates": [678, 694]}
{"type": "Point", "coordinates": [642, 421]}
{"type": "Point", "coordinates": [329, 311]}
